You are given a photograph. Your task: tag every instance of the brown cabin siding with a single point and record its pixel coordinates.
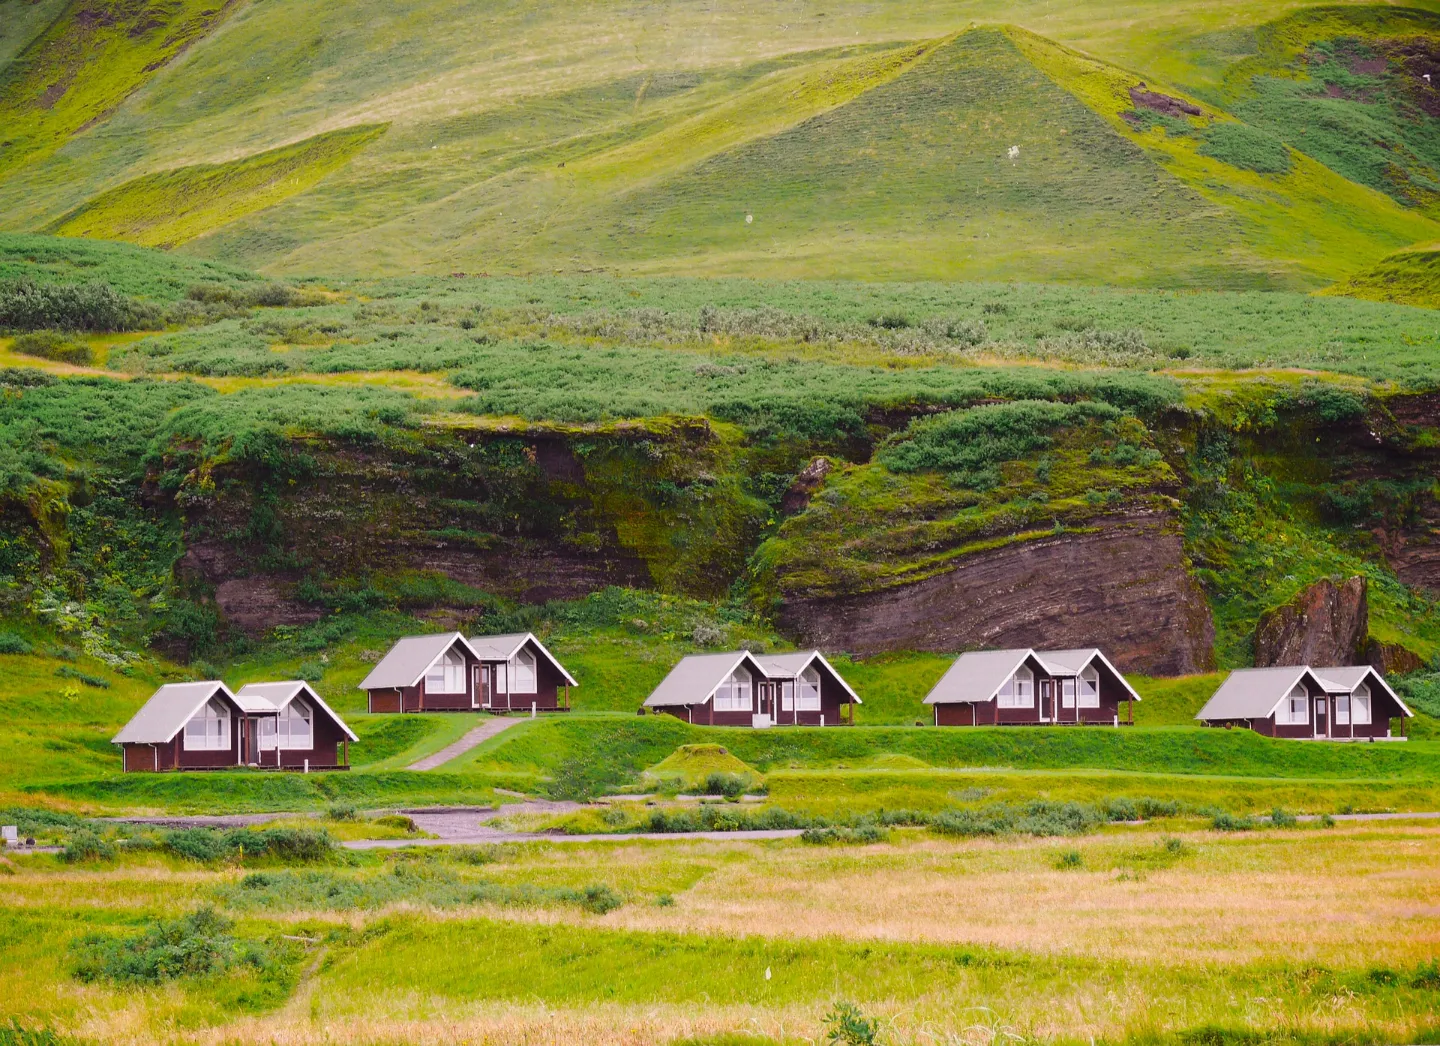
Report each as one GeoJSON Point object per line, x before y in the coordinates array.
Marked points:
{"type": "Point", "coordinates": [833, 698]}
{"type": "Point", "coordinates": [1047, 708]}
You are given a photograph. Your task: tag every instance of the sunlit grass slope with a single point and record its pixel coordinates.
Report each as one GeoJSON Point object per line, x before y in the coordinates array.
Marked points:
{"type": "Point", "coordinates": [170, 207]}
{"type": "Point", "coordinates": [86, 63]}
{"type": "Point", "coordinates": [1409, 277]}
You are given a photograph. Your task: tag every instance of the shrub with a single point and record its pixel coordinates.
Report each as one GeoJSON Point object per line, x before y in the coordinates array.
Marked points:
{"type": "Point", "coordinates": [724, 784]}
{"type": "Point", "coordinates": [863, 833]}
{"type": "Point", "coordinates": [195, 945]}
{"type": "Point", "coordinates": [1281, 818]}
{"type": "Point", "coordinates": [1227, 822]}
{"type": "Point", "coordinates": [398, 821]}
{"type": "Point", "coordinates": [85, 845]}
{"type": "Point", "coordinates": [1243, 146]}
{"type": "Point", "coordinates": [10, 643]}
{"type": "Point", "coordinates": [600, 899]}
{"type": "Point", "coordinates": [286, 844]}
{"type": "Point", "coordinates": [27, 305]}
{"type": "Point", "coordinates": [343, 812]}
{"type": "Point", "coordinates": [1069, 859]}
{"type": "Point", "coordinates": [98, 682]}
{"type": "Point", "coordinates": [50, 345]}
{"type": "Point", "coordinates": [846, 1024]}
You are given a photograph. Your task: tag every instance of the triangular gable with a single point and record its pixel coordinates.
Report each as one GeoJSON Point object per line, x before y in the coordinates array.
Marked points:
{"type": "Point", "coordinates": [410, 658]}
{"type": "Point", "coordinates": [169, 709]}
{"type": "Point", "coordinates": [952, 691]}
{"type": "Point", "coordinates": [1091, 654]}
{"type": "Point", "coordinates": [286, 692]}
{"type": "Point", "coordinates": [810, 657]}
{"type": "Point", "coordinates": [688, 677]}
{"type": "Point", "coordinates": [1325, 676]}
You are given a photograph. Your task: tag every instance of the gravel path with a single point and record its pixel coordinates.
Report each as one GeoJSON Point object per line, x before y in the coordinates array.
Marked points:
{"type": "Point", "coordinates": [483, 732]}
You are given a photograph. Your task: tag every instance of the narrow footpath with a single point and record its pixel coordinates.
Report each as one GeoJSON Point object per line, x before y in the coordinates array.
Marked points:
{"type": "Point", "coordinates": [483, 732]}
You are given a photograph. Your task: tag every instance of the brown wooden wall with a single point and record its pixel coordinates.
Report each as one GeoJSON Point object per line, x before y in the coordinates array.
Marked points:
{"type": "Point", "coordinates": [1113, 701]}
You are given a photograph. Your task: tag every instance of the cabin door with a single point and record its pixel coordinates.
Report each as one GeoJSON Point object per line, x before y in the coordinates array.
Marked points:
{"type": "Point", "coordinates": [764, 705]}
{"type": "Point", "coordinates": [487, 686]}
{"type": "Point", "coordinates": [1320, 710]}
{"type": "Point", "coordinates": [1047, 701]}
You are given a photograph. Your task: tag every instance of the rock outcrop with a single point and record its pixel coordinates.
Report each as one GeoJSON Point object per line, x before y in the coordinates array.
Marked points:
{"type": "Point", "coordinates": [1325, 624]}
{"type": "Point", "coordinates": [1122, 586]}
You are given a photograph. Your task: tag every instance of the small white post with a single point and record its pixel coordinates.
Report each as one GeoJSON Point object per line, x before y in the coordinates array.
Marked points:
{"type": "Point", "coordinates": [1117, 720]}
{"type": "Point", "coordinates": [10, 834]}
{"type": "Point", "coordinates": [532, 709]}
{"type": "Point", "coordinates": [307, 766]}
{"type": "Point", "coordinates": [822, 718]}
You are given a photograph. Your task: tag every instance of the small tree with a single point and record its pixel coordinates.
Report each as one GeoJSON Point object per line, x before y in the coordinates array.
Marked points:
{"type": "Point", "coordinates": [846, 1024]}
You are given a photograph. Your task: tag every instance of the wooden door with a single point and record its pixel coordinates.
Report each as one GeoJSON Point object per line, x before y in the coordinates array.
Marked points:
{"type": "Point", "coordinates": [1047, 701]}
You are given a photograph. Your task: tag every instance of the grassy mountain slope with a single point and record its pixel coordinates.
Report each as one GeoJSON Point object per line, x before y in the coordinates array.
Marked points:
{"type": "Point", "coordinates": [541, 141]}
{"type": "Point", "coordinates": [86, 63]}
{"type": "Point", "coordinates": [1410, 277]}
{"type": "Point", "coordinates": [171, 207]}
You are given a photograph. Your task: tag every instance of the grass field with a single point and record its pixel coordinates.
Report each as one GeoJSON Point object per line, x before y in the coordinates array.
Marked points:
{"type": "Point", "coordinates": [1137, 935]}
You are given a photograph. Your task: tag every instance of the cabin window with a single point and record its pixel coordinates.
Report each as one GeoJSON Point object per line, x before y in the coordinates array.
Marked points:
{"type": "Point", "coordinates": [1090, 688]}
{"type": "Point", "coordinates": [294, 728]}
{"type": "Point", "coordinates": [522, 673]}
{"type": "Point", "coordinates": [1342, 710]}
{"type": "Point", "coordinates": [733, 695]}
{"type": "Point", "coordinates": [787, 695]}
{"type": "Point", "coordinates": [446, 675]}
{"type": "Point", "coordinates": [809, 690]}
{"type": "Point", "coordinates": [1019, 690]}
{"type": "Point", "coordinates": [1360, 707]}
{"type": "Point", "coordinates": [1067, 693]}
{"type": "Point", "coordinates": [208, 729]}
{"type": "Point", "coordinates": [1295, 709]}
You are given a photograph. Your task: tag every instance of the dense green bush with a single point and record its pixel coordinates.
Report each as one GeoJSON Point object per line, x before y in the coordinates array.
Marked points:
{"type": "Point", "coordinates": [284, 844]}
{"type": "Point", "coordinates": [195, 945]}
{"type": "Point", "coordinates": [1241, 145]}
{"type": "Point", "coordinates": [51, 345]}
{"type": "Point", "coordinates": [86, 845]}
{"type": "Point", "coordinates": [970, 444]}
{"type": "Point", "coordinates": [724, 784]}
{"type": "Point", "coordinates": [10, 643]}
{"type": "Point", "coordinates": [27, 305]}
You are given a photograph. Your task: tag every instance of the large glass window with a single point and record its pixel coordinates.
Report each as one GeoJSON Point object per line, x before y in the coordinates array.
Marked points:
{"type": "Point", "coordinates": [209, 728]}
{"type": "Point", "coordinates": [292, 729]}
{"type": "Point", "coordinates": [787, 695]}
{"type": "Point", "coordinates": [1360, 707]}
{"type": "Point", "coordinates": [447, 675]}
{"type": "Point", "coordinates": [733, 695]}
{"type": "Point", "coordinates": [1019, 690]}
{"type": "Point", "coordinates": [809, 690]}
{"type": "Point", "coordinates": [1067, 692]}
{"type": "Point", "coordinates": [1295, 709]}
{"type": "Point", "coordinates": [1342, 710]}
{"type": "Point", "coordinates": [522, 673]}
{"type": "Point", "coordinates": [1090, 688]}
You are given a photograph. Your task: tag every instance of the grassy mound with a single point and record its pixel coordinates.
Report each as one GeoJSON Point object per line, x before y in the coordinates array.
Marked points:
{"type": "Point", "coordinates": [1409, 277]}
{"type": "Point", "coordinates": [171, 207]}
{"type": "Point", "coordinates": [690, 765]}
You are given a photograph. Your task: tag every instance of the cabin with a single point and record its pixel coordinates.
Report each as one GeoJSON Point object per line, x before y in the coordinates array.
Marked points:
{"type": "Point", "coordinates": [289, 725]}
{"type": "Point", "coordinates": [203, 726]}
{"type": "Point", "coordinates": [446, 672]}
{"type": "Point", "coordinates": [1340, 703]}
{"type": "Point", "coordinates": [757, 690]}
{"type": "Point", "coordinates": [517, 674]}
{"type": "Point", "coordinates": [1032, 688]}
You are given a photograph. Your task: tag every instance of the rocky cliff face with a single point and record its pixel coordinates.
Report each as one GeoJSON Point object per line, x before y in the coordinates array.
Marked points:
{"type": "Point", "coordinates": [1123, 586]}
{"type": "Point", "coordinates": [1326, 624]}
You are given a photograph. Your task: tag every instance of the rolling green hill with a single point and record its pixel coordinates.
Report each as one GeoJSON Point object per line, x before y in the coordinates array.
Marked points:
{"type": "Point", "coordinates": [853, 142]}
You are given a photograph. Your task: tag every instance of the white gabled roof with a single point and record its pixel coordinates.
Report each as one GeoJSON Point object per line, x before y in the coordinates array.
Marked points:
{"type": "Point", "coordinates": [696, 678]}
{"type": "Point", "coordinates": [503, 648]}
{"type": "Point", "coordinates": [789, 666]}
{"type": "Point", "coordinates": [1073, 662]}
{"type": "Point", "coordinates": [168, 710]}
{"type": "Point", "coordinates": [1343, 679]}
{"type": "Point", "coordinates": [976, 676]}
{"type": "Point", "coordinates": [410, 658]}
{"type": "Point", "coordinates": [1253, 693]}
{"type": "Point", "coordinates": [265, 698]}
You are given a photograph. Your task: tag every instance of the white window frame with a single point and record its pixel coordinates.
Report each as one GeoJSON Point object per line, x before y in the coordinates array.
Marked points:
{"type": "Point", "coordinates": [446, 675]}
{"type": "Point", "coordinates": [1360, 699]}
{"type": "Point", "coordinates": [807, 692]}
{"type": "Point", "coordinates": [735, 694]}
{"type": "Point", "coordinates": [1089, 687]}
{"type": "Point", "coordinates": [213, 734]}
{"type": "Point", "coordinates": [1342, 709]}
{"type": "Point", "coordinates": [1295, 709]}
{"type": "Point", "coordinates": [524, 673]}
{"type": "Point", "coordinates": [787, 695]}
{"type": "Point", "coordinates": [279, 731]}
{"type": "Point", "coordinates": [1019, 690]}
{"type": "Point", "coordinates": [1066, 686]}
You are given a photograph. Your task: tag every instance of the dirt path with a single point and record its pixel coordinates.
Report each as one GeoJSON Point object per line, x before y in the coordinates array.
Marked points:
{"type": "Point", "coordinates": [483, 732]}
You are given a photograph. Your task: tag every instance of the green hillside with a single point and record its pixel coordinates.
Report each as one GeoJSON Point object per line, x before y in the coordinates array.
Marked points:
{"type": "Point", "coordinates": [869, 143]}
